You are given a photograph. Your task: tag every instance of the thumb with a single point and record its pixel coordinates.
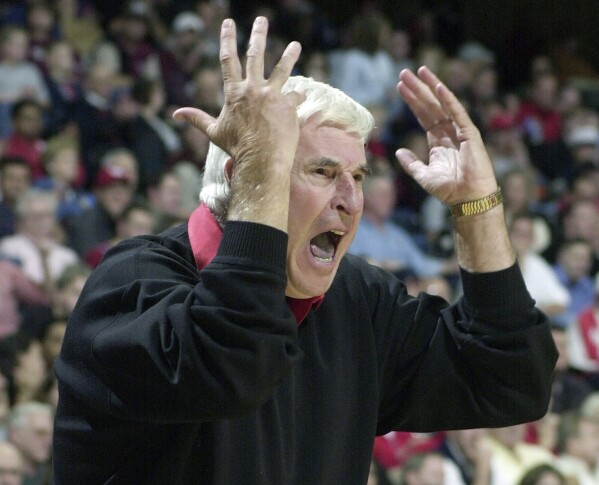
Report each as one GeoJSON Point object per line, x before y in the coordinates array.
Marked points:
{"type": "Point", "coordinates": [410, 163]}
{"type": "Point", "coordinates": [297, 97]}
{"type": "Point", "coordinates": [196, 117]}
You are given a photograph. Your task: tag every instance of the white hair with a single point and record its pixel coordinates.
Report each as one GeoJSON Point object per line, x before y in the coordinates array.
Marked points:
{"type": "Point", "coordinates": [18, 417]}
{"type": "Point", "coordinates": [334, 107]}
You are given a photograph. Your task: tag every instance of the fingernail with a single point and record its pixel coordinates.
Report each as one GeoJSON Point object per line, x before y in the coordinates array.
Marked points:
{"type": "Point", "coordinates": [260, 20]}
{"type": "Point", "coordinates": [227, 23]}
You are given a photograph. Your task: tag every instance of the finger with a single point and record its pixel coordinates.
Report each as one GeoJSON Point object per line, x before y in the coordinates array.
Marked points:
{"type": "Point", "coordinates": [229, 60]}
{"type": "Point", "coordinates": [282, 70]}
{"type": "Point", "coordinates": [455, 109]}
{"type": "Point", "coordinates": [410, 163]}
{"type": "Point", "coordinates": [256, 47]}
{"type": "Point", "coordinates": [424, 102]}
{"type": "Point", "coordinates": [196, 117]}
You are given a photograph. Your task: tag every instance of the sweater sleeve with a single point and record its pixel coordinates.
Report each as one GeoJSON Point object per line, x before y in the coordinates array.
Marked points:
{"type": "Point", "coordinates": [154, 339]}
{"type": "Point", "coordinates": [485, 361]}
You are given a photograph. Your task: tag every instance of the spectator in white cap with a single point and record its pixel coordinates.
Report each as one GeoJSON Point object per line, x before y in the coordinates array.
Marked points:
{"type": "Point", "coordinates": [186, 50]}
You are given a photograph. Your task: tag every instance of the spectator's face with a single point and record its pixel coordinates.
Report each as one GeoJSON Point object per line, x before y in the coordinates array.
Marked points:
{"type": "Point", "coordinates": [67, 297]}
{"type": "Point", "coordinates": [38, 220]}
{"type": "Point", "coordinates": [576, 260]}
{"type": "Point", "coordinates": [31, 370]}
{"type": "Point", "coordinates": [168, 196]}
{"type": "Point", "coordinates": [11, 465]}
{"type": "Point", "coordinates": [34, 439]}
{"type": "Point", "coordinates": [326, 196]}
{"type": "Point", "coordinates": [28, 123]}
{"type": "Point", "coordinates": [468, 440]}
{"type": "Point", "coordinates": [521, 235]}
{"type": "Point", "coordinates": [115, 197]}
{"type": "Point", "coordinates": [14, 180]}
{"type": "Point", "coordinates": [138, 223]}
{"type": "Point", "coordinates": [379, 200]}
{"type": "Point", "coordinates": [586, 444]}
{"type": "Point", "coordinates": [65, 165]}
{"type": "Point", "coordinates": [545, 92]}
{"type": "Point", "coordinates": [53, 340]}
{"type": "Point", "coordinates": [61, 57]}
{"type": "Point", "coordinates": [431, 472]}
{"type": "Point", "coordinates": [15, 48]}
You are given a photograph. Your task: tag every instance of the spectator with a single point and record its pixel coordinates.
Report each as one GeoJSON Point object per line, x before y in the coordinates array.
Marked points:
{"type": "Point", "coordinates": [470, 454]}
{"type": "Point", "coordinates": [19, 78]}
{"type": "Point", "coordinates": [134, 38]}
{"type": "Point", "coordinates": [68, 289]}
{"type": "Point", "coordinates": [583, 345]}
{"type": "Point", "coordinates": [26, 140]}
{"type": "Point", "coordinates": [52, 341]}
{"type": "Point", "coordinates": [578, 446]}
{"type": "Point", "coordinates": [16, 292]}
{"type": "Point", "coordinates": [569, 388]}
{"type": "Point", "coordinates": [573, 270]}
{"type": "Point", "coordinates": [152, 139]}
{"type": "Point", "coordinates": [365, 71]}
{"type": "Point", "coordinates": [15, 179]}
{"type": "Point", "coordinates": [61, 162]}
{"type": "Point", "coordinates": [384, 243]}
{"type": "Point", "coordinates": [541, 123]}
{"type": "Point", "coordinates": [506, 147]}
{"type": "Point", "coordinates": [511, 456]}
{"type": "Point", "coordinates": [79, 26]}
{"type": "Point", "coordinates": [423, 469]}
{"type": "Point", "coordinates": [11, 464]}
{"type": "Point", "coordinates": [164, 196]}
{"type": "Point", "coordinates": [30, 430]}
{"type": "Point", "coordinates": [23, 365]}
{"type": "Point", "coordinates": [136, 220]}
{"type": "Point", "coordinates": [519, 195]}
{"type": "Point", "coordinates": [187, 48]}
{"type": "Point", "coordinates": [540, 279]}
{"type": "Point", "coordinates": [42, 29]}
{"type": "Point", "coordinates": [207, 88]}
{"type": "Point", "coordinates": [64, 85]}
{"type": "Point", "coordinates": [113, 191]}
{"type": "Point", "coordinates": [43, 258]}
{"type": "Point", "coordinates": [97, 125]}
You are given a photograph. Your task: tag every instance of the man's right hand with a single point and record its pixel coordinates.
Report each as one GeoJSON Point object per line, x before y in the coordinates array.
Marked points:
{"type": "Point", "coordinates": [258, 127]}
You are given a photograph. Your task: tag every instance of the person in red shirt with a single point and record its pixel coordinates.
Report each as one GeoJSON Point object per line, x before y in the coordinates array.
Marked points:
{"type": "Point", "coordinates": [26, 142]}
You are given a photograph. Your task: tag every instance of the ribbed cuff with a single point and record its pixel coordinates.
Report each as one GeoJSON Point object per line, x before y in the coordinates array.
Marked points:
{"type": "Point", "coordinates": [257, 242]}
{"type": "Point", "coordinates": [499, 293]}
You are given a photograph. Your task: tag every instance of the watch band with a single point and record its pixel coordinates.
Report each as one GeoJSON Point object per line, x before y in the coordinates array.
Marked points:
{"type": "Point", "coordinates": [477, 206]}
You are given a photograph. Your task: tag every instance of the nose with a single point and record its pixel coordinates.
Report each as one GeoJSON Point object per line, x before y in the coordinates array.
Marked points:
{"type": "Point", "coordinates": [348, 197]}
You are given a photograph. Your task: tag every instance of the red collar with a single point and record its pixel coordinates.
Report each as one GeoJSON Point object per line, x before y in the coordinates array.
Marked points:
{"type": "Point", "coordinates": [205, 235]}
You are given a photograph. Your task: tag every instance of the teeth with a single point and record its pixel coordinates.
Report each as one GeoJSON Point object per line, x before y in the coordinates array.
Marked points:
{"type": "Point", "coordinates": [338, 233]}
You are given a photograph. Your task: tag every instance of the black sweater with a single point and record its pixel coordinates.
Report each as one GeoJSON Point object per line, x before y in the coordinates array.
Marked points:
{"type": "Point", "coordinates": [172, 375]}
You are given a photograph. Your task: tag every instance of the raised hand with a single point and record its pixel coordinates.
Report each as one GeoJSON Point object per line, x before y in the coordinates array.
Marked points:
{"type": "Point", "coordinates": [258, 126]}
{"type": "Point", "coordinates": [459, 168]}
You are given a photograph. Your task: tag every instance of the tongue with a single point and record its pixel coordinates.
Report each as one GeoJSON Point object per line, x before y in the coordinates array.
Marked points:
{"type": "Point", "coordinates": [322, 247]}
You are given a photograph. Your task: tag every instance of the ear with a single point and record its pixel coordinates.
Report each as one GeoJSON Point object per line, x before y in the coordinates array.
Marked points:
{"type": "Point", "coordinates": [228, 168]}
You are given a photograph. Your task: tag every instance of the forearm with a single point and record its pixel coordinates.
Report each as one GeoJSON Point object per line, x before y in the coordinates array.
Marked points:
{"type": "Point", "coordinates": [483, 243]}
{"type": "Point", "coordinates": [261, 196]}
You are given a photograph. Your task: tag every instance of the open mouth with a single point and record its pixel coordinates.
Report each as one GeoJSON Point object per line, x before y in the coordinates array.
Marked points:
{"type": "Point", "coordinates": [324, 246]}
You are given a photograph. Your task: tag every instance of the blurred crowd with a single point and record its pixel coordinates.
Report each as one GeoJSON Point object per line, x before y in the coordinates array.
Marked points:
{"type": "Point", "coordinates": [90, 155]}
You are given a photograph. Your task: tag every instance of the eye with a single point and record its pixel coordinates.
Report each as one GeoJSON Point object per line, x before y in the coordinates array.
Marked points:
{"type": "Point", "coordinates": [323, 171]}
{"type": "Point", "coordinates": [359, 177]}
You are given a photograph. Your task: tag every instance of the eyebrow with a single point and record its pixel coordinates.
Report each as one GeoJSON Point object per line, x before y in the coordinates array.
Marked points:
{"type": "Point", "coordinates": [330, 163]}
